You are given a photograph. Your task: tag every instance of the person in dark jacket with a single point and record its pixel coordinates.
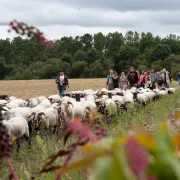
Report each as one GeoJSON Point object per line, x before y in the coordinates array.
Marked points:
{"type": "Point", "coordinates": [62, 82]}
{"type": "Point", "coordinates": [115, 80]}
{"type": "Point", "coordinates": [132, 78]}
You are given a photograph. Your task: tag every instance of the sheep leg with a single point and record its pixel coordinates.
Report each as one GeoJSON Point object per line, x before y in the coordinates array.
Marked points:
{"type": "Point", "coordinates": [54, 130]}
{"type": "Point", "coordinates": [29, 141]}
{"type": "Point", "coordinates": [30, 126]}
{"type": "Point", "coordinates": [18, 145]}
{"type": "Point", "coordinates": [144, 104]}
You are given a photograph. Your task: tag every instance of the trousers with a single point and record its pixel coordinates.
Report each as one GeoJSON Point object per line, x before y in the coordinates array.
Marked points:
{"type": "Point", "coordinates": [61, 89]}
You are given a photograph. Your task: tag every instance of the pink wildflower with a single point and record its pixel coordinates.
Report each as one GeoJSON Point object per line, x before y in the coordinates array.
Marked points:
{"type": "Point", "coordinates": [137, 157]}
{"type": "Point", "coordinates": [77, 127]}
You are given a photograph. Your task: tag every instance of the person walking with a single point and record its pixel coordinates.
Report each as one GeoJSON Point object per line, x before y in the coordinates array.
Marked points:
{"type": "Point", "coordinates": [139, 80]}
{"type": "Point", "coordinates": [123, 81]}
{"type": "Point", "coordinates": [109, 81]}
{"type": "Point", "coordinates": [166, 78]}
{"type": "Point", "coordinates": [178, 78]}
{"type": "Point", "coordinates": [62, 82]}
{"type": "Point", "coordinates": [132, 78]}
{"type": "Point", "coordinates": [153, 79]}
{"type": "Point", "coordinates": [115, 80]}
{"type": "Point", "coordinates": [148, 76]}
{"type": "Point", "coordinates": [143, 79]}
{"type": "Point", "coordinates": [159, 80]}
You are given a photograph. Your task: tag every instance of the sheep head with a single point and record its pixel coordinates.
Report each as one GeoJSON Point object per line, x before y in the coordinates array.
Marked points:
{"type": "Point", "coordinates": [2, 107]}
{"type": "Point", "coordinates": [70, 103]}
{"type": "Point", "coordinates": [51, 100]}
{"type": "Point", "coordinates": [39, 120]}
{"type": "Point", "coordinates": [4, 97]}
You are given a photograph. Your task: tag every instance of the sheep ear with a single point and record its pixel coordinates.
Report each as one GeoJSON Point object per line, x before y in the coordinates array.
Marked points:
{"type": "Point", "coordinates": [88, 108]}
{"type": "Point", "coordinates": [4, 109]}
{"type": "Point", "coordinates": [41, 113]}
{"type": "Point", "coordinates": [70, 103]}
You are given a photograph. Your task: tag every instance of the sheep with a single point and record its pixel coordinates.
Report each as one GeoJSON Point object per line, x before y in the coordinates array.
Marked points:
{"type": "Point", "coordinates": [157, 92]}
{"type": "Point", "coordinates": [163, 92]}
{"type": "Point", "coordinates": [17, 127]}
{"type": "Point", "coordinates": [4, 97]}
{"type": "Point", "coordinates": [78, 95]}
{"type": "Point", "coordinates": [65, 112]}
{"type": "Point", "coordinates": [54, 99]}
{"type": "Point", "coordinates": [12, 98]}
{"type": "Point", "coordinates": [16, 103]}
{"type": "Point", "coordinates": [128, 97]}
{"type": "Point", "coordinates": [46, 119]}
{"type": "Point", "coordinates": [90, 109]}
{"type": "Point", "coordinates": [3, 102]}
{"type": "Point", "coordinates": [88, 92]}
{"type": "Point", "coordinates": [118, 99]}
{"type": "Point", "coordinates": [56, 105]}
{"type": "Point", "coordinates": [33, 102]}
{"type": "Point", "coordinates": [66, 98]}
{"type": "Point", "coordinates": [20, 111]}
{"type": "Point", "coordinates": [41, 99]}
{"type": "Point", "coordinates": [78, 109]}
{"type": "Point", "coordinates": [110, 110]}
{"type": "Point", "coordinates": [2, 111]}
{"type": "Point", "coordinates": [142, 98]}
{"type": "Point", "coordinates": [46, 103]}
{"type": "Point", "coordinates": [171, 90]}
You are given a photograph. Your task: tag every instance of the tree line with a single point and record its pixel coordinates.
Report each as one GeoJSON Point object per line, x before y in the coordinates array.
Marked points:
{"type": "Point", "coordinates": [88, 56]}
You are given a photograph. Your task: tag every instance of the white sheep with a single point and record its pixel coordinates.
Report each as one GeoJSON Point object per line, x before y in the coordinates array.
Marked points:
{"type": "Point", "coordinates": [46, 103]}
{"type": "Point", "coordinates": [90, 109]}
{"type": "Point", "coordinates": [46, 119]}
{"type": "Point", "coordinates": [119, 99]}
{"type": "Point", "coordinates": [16, 103]}
{"type": "Point", "coordinates": [3, 102]}
{"type": "Point", "coordinates": [163, 93]}
{"type": "Point", "coordinates": [17, 127]}
{"type": "Point", "coordinates": [142, 98]}
{"type": "Point", "coordinates": [54, 99]}
{"type": "Point", "coordinates": [41, 99]}
{"type": "Point", "coordinates": [32, 102]}
{"type": "Point", "coordinates": [90, 97]}
{"type": "Point", "coordinates": [12, 98]}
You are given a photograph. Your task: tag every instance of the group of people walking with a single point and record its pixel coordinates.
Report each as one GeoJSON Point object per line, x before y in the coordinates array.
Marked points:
{"type": "Point", "coordinates": [149, 79]}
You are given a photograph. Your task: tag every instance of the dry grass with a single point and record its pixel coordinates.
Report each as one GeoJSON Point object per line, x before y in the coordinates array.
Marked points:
{"type": "Point", "coordinates": [33, 88]}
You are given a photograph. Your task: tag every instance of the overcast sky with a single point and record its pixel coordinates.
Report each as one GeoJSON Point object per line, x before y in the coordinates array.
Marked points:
{"type": "Point", "coordinates": [58, 18]}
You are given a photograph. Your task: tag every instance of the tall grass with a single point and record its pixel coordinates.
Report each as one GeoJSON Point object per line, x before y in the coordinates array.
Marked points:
{"type": "Point", "coordinates": [29, 161]}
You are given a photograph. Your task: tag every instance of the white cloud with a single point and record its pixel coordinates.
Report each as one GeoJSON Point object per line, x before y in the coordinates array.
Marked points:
{"type": "Point", "coordinates": [76, 17]}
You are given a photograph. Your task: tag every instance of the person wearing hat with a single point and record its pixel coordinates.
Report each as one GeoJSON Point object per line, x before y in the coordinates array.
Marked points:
{"type": "Point", "coordinates": [62, 82]}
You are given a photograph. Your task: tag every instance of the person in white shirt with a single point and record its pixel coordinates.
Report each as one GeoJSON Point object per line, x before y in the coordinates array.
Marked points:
{"type": "Point", "coordinates": [62, 82]}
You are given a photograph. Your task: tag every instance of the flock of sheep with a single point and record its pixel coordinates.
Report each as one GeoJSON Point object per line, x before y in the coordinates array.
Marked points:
{"type": "Point", "coordinates": [45, 114]}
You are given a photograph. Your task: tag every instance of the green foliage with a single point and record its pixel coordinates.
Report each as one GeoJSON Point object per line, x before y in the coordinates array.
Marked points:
{"type": "Point", "coordinates": [29, 59]}
{"type": "Point", "coordinates": [161, 51]}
